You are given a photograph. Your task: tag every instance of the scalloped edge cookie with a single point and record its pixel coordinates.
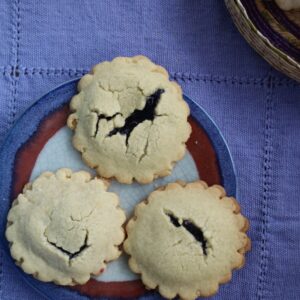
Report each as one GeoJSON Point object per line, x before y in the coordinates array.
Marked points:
{"type": "Point", "coordinates": [65, 227]}
{"type": "Point", "coordinates": [151, 275]}
{"type": "Point", "coordinates": [152, 148]}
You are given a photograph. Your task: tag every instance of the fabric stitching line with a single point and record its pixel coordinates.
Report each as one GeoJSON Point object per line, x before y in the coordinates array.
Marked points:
{"type": "Point", "coordinates": [184, 76]}
{"type": "Point", "coordinates": [178, 76]}
{"type": "Point", "coordinates": [14, 74]}
{"type": "Point", "coordinates": [52, 71]}
{"type": "Point", "coordinates": [277, 81]}
{"type": "Point", "coordinates": [266, 189]}
{"type": "Point", "coordinates": [284, 82]}
{"type": "Point", "coordinates": [18, 35]}
{"type": "Point", "coordinates": [11, 75]}
{"type": "Point", "coordinates": [6, 71]}
{"type": "Point", "coordinates": [17, 58]}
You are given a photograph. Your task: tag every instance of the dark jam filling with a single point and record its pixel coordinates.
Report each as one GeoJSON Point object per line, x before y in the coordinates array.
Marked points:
{"type": "Point", "coordinates": [174, 220]}
{"type": "Point", "coordinates": [139, 116]}
{"type": "Point", "coordinates": [195, 231]}
{"type": "Point", "coordinates": [72, 254]}
{"type": "Point", "coordinates": [101, 117]}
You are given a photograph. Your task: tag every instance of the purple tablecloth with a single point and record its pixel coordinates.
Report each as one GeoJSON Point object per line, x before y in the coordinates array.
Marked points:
{"type": "Point", "coordinates": [44, 43]}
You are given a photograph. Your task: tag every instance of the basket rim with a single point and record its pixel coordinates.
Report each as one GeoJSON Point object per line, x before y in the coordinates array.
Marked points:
{"type": "Point", "coordinates": [275, 56]}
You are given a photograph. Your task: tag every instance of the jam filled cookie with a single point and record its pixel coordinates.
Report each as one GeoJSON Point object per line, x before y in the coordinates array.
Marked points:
{"type": "Point", "coordinates": [65, 227]}
{"type": "Point", "coordinates": [130, 120]}
{"type": "Point", "coordinates": [186, 239]}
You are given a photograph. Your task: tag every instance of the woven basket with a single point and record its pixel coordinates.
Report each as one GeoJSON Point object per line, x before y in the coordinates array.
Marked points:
{"type": "Point", "coordinates": [278, 44]}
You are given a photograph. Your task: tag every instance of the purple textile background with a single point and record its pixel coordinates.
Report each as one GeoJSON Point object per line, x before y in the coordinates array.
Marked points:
{"type": "Point", "coordinates": [44, 43]}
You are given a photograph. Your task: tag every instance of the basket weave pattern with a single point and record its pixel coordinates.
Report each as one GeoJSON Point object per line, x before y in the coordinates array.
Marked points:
{"type": "Point", "coordinates": [264, 46]}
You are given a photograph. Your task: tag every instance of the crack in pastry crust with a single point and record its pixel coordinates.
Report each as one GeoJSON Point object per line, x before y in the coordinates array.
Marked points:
{"type": "Point", "coordinates": [193, 229]}
{"type": "Point", "coordinates": [72, 255]}
{"type": "Point", "coordinates": [139, 116]}
{"type": "Point", "coordinates": [103, 117]}
{"type": "Point", "coordinates": [129, 120]}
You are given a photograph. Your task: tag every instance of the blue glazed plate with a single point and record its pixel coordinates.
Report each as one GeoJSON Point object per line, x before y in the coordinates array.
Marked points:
{"type": "Point", "coordinates": [40, 141]}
